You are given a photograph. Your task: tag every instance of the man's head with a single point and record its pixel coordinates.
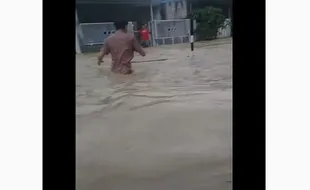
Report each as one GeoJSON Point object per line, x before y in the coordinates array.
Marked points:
{"type": "Point", "coordinates": [121, 25]}
{"type": "Point", "coordinates": [144, 26]}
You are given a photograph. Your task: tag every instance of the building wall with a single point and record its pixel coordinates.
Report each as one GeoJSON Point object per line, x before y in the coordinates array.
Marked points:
{"type": "Point", "coordinates": [92, 13]}
{"type": "Point", "coordinates": [156, 12]}
{"type": "Point", "coordinates": [176, 9]}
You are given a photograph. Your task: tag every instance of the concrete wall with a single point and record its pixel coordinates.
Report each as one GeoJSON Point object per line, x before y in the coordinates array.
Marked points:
{"type": "Point", "coordinates": [176, 9]}
{"type": "Point", "coordinates": [156, 12]}
{"type": "Point", "coordinates": [92, 13]}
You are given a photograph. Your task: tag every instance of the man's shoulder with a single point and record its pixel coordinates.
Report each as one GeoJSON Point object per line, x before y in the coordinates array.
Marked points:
{"type": "Point", "coordinates": [110, 37]}
{"type": "Point", "coordinates": [106, 40]}
{"type": "Point", "coordinates": [127, 36]}
{"type": "Point", "coordinates": [120, 35]}
{"type": "Point", "coordinates": [130, 35]}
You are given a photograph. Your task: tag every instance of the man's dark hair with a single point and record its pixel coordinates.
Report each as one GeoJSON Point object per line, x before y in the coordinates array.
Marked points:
{"type": "Point", "coordinates": [120, 25]}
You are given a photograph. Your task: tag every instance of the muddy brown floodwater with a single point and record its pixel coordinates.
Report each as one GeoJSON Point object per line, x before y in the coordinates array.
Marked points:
{"type": "Point", "coordinates": [167, 126]}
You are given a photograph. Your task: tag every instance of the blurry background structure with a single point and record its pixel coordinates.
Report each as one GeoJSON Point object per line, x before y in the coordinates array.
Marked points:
{"type": "Point", "coordinates": [94, 18]}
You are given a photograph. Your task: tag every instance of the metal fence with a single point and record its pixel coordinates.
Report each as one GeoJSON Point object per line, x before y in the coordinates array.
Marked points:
{"type": "Point", "coordinates": [163, 31]}
{"type": "Point", "coordinates": [170, 31]}
{"type": "Point", "coordinates": [96, 33]}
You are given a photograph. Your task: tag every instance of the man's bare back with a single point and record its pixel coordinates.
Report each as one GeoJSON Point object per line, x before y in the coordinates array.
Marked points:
{"type": "Point", "coordinates": [121, 45]}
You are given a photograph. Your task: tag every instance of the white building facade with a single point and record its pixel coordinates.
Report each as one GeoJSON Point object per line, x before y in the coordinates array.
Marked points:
{"type": "Point", "coordinates": [169, 9]}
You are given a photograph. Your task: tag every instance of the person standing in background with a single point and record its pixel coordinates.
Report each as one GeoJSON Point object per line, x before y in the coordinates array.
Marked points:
{"type": "Point", "coordinates": [145, 36]}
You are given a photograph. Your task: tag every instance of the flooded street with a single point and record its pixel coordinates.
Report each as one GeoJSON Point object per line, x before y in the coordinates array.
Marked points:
{"type": "Point", "coordinates": [168, 126]}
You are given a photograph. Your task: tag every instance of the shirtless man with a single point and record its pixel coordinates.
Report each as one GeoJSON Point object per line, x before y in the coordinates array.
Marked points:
{"type": "Point", "coordinates": [121, 45]}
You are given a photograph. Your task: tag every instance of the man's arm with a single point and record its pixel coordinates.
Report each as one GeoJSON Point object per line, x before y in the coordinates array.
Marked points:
{"type": "Point", "coordinates": [103, 51]}
{"type": "Point", "coordinates": [137, 47]}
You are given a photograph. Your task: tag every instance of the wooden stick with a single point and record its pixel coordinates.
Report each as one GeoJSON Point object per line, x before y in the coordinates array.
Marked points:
{"type": "Point", "coordinates": [149, 60]}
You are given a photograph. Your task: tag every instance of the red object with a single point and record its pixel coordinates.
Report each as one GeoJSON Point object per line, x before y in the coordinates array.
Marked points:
{"type": "Point", "coordinates": [144, 33]}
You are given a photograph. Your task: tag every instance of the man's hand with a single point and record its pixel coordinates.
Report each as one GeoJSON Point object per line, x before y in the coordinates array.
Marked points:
{"type": "Point", "coordinates": [101, 55]}
{"type": "Point", "coordinates": [137, 47]}
{"type": "Point", "coordinates": [99, 62]}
